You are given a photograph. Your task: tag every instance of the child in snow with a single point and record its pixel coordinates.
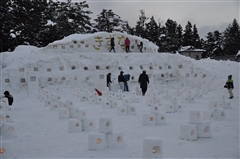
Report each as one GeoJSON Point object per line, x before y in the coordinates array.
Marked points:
{"type": "Point", "coordinates": [229, 85]}
{"type": "Point", "coordinates": [9, 97]}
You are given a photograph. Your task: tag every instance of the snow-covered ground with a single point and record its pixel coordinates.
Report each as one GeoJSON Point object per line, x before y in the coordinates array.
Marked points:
{"type": "Point", "coordinates": [39, 133]}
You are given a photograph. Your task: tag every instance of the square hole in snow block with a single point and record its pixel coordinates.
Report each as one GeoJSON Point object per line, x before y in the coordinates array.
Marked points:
{"type": "Point", "coordinates": [107, 67]}
{"type": "Point", "coordinates": [22, 80]}
{"type": "Point", "coordinates": [35, 69]}
{"type": "Point", "coordinates": [61, 68]}
{"type": "Point", "coordinates": [79, 46]}
{"type": "Point", "coordinates": [54, 46]}
{"type": "Point", "coordinates": [97, 67]}
{"type": "Point", "coordinates": [49, 69]}
{"type": "Point", "coordinates": [7, 80]}
{"type": "Point", "coordinates": [150, 67]}
{"type": "Point", "coordinates": [82, 42]}
{"type": "Point", "coordinates": [180, 66]}
{"type": "Point", "coordinates": [71, 46]}
{"type": "Point", "coordinates": [160, 67]}
{"type": "Point", "coordinates": [131, 68]}
{"type": "Point", "coordinates": [73, 67]}
{"type": "Point", "coordinates": [21, 69]}
{"type": "Point", "coordinates": [63, 78]}
{"type": "Point", "coordinates": [141, 67]}
{"type": "Point", "coordinates": [203, 76]}
{"type": "Point", "coordinates": [86, 45]}
{"type": "Point", "coordinates": [85, 68]}
{"type": "Point", "coordinates": [74, 78]}
{"type": "Point", "coordinates": [63, 47]}
{"type": "Point", "coordinates": [119, 68]}
{"type": "Point", "coordinates": [49, 79]}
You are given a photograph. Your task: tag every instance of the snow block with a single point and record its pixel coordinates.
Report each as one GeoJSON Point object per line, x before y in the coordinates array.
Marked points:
{"type": "Point", "coordinates": [74, 125]}
{"type": "Point", "coordinates": [208, 115]}
{"type": "Point", "coordinates": [97, 141]}
{"type": "Point", "coordinates": [63, 113]}
{"type": "Point", "coordinates": [178, 107]}
{"type": "Point", "coordinates": [212, 105]}
{"type": "Point", "coordinates": [131, 109]}
{"type": "Point", "coordinates": [69, 103]}
{"type": "Point", "coordinates": [188, 131]}
{"type": "Point", "coordinates": [122, 110]}
{"type": "Point", "coordinates": [154, 109]}
{"type": "Point", "coordinates": [9, 116]}
{"type": "Point", "coordinates": [227, 105]}
{"type": "Point", "coordinates": [6, 149]}
{"type": "Point", "coordinates": [8, 131]}
{"type": "Point", "coordinates": [115, 140]}
{"type": "Point", "coordinates": [54, 106]}
{"type": "Point", "coordinates": [194, 116]}
{"type": "Point", "coordinates": [48, 103]}
{"type": "Point", "coordinates": [152, 148]}
{"type": "Point", "coordinates": [160, 119]}
{"type": "Point", "coordinates": [169, 108]}
{"type": "Point", "coordinates": [149, 119]}
{"type": "Point", "coordinates": [106, 104]}
{"type": "Point", "coordinates": [81, 114]}
{"type": "Point", "coordinates": [89, 125]}
{"type": "Point", "coordinates": [220, 113]}
{"type": "Point", "coordinates": [204, 130]}
{"type": "Point", "coordinates": [73, 112]}
{"type": "Point", "coordinates": [105, 125]}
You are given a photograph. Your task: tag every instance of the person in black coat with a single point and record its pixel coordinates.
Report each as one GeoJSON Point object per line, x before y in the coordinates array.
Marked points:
{"type": "Point", "coordinates": [121, 80]}
{"type": "Point", "coordinates": [9, 97]}
{"type": "Point", "coordinates": [112, 44]}
{"type": "Point", "coordinates": [143, 80]}
{"type": "Point", "coordinates": [109, 81]}
{"type": "Point", "coordinates": [140, 46]}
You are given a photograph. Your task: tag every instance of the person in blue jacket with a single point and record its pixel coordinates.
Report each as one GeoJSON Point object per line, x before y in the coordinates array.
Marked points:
{"type": "Point", "coordinates": [127, 78]}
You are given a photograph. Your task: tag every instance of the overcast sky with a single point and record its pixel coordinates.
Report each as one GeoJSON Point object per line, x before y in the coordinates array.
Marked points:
{"type": "Point", "coordinates": [208, 15]}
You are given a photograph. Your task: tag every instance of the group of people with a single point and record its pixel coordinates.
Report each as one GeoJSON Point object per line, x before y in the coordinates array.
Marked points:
{"type": "Point", "coordinates": [143, 81]}
{"type": "Point", "coordinates": [127, 45]}
{"type": "Point", "coordinates": [123, 79]}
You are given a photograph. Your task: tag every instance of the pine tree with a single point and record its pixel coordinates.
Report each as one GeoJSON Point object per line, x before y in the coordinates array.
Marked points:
{"type": "Point", "coordinates": [196, 38]}
{"type": "Point", "coordinates": [108, 21]}
{"type": "Point", "coordinates": [140, 27]}
{"type": "Point", "coordinates": [152, 31]}
{"type": "Point", "coordinates": [171, 36]}
{"type": "Point", "coordinates": [188, 35]}
{"type": "Point", "coordinates": [179, 36]}
{"type": "Point", "coordinates": [210, 45]}
{"type": "Point", "coordinates": [231, 38]}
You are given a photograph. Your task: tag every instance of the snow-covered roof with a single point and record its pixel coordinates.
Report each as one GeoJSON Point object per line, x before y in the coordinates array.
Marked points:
{"type": "Point", "coordinates": [190, 48]}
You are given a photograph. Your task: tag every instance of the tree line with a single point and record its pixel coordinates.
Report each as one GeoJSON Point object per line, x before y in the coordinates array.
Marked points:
{"type": "Point", "coordinates": [39, 23]}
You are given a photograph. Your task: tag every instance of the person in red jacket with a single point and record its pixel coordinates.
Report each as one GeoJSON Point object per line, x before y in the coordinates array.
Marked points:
{"type": "Point", "coordinates": [127, 44]}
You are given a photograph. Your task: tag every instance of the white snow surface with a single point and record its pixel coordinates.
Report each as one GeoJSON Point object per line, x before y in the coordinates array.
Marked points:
{"type": "Point", "coordinates": [39, 133]}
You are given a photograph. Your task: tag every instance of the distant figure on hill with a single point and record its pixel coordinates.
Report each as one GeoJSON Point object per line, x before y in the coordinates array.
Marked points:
{"type": "Point", "coordinates": [127, 44]}
{"type": "Point", "coordinates": [121, 81]}
{"type": "Point", "coordinates": [112, 44]}
{"type": "Point", "coordinates": [127, 78]}
{"type": "Point", "coordinates": [9, 97]}
{"type": "Point", "coordinates": [229, 85]}
{"type": "Point", "coordinates": [143, 80]}
{"type": "Point", "coordinates": [140, 46]}
{"type": "Point", "coordinates": [109, 81]}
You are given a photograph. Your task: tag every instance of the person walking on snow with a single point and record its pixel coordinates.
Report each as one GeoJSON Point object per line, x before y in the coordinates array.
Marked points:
{"type": "Point", "coordinates": [127, 78]}
{"type": "Point", "coordinates": [140, 46]}
{"type": "Point", "coordinates": [109, 81]}
{"type": "Point", "coordinates": [112, 44]}
{"type": "Point", "coordinates": [121, 81]}
{"type": "Point", "coordinates": [229, 85]}
{"type": "Point", "coordinates": [143, 80]}
{"type": "Point", "coordinates": [127, 44]}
